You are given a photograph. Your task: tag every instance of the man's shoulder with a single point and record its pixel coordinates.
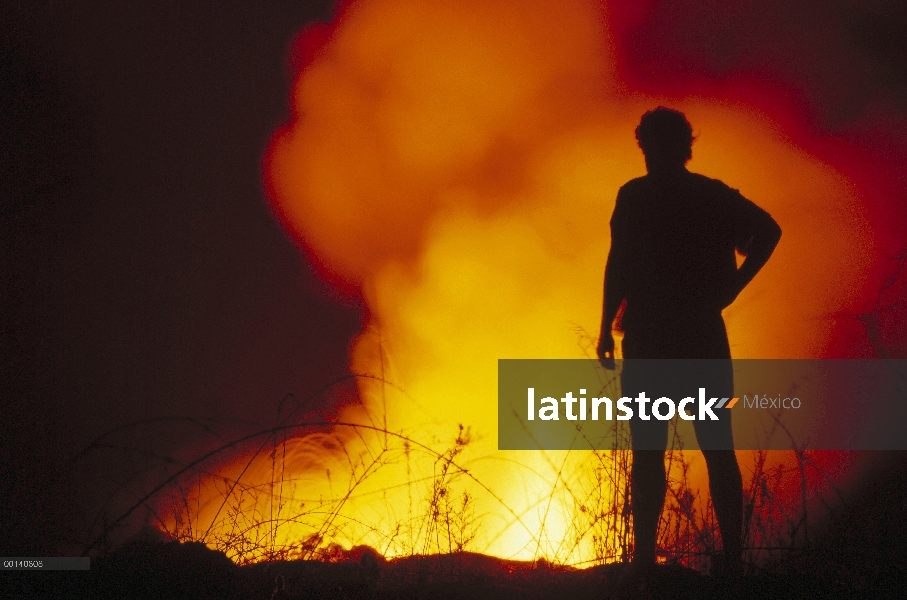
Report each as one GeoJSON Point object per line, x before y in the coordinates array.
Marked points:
{"type": "Point", "coordinates": [715, 186]}
{"type": "Point", "coordinates": [696, 184]}
{"type": "Point", "coordinates": [633, 187]}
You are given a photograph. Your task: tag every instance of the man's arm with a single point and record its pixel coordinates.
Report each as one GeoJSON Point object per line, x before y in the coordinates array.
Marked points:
{"type": "Point", "coordinates": [614, 289]}
{"type": "Point", "coordinates": [613, 297]}
{"type": "Point", "coordinates": [765, 233]}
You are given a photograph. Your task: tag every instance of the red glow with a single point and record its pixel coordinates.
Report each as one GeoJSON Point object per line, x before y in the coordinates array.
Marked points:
{"type": "Point", "coordinates": [453, 164]}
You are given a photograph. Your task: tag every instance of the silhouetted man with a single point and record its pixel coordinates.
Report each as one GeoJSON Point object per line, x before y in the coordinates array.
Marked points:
{"type": "Point", "coordinates": [673, 239]}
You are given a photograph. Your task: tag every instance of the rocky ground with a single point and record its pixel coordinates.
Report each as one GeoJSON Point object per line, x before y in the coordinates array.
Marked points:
{"type": "Point", "coordinates": [156, 570]}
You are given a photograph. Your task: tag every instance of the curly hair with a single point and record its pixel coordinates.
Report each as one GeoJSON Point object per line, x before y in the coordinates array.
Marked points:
{"type": "Point", "coordinates": [665, 132]}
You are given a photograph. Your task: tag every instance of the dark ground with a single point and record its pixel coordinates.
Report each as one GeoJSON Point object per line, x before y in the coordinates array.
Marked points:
{"type": "Point", "coordinates": [172, 570]}
{"type": "Point", "coordinates": [861, 554]}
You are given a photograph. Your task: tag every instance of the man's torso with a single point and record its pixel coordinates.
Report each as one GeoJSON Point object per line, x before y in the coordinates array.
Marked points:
{"type": "Point", "coordinates": [676, 240]}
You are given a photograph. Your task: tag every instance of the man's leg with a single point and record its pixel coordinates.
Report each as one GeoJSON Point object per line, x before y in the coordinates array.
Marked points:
{"type": "Point", "coordinates": [716, 439]}
{"type": "Point", "coordinates": [726, 486]}
{"type": "Point", "coordinates": [648, 440]}
{"type": "Point", "coordinates": [648, 480]}
{"type": "Point", "coordinates": [649, 485]}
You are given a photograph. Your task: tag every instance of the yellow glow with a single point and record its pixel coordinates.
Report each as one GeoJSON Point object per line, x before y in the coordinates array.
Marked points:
{"type": "Point", "coordinates": [460, 162]}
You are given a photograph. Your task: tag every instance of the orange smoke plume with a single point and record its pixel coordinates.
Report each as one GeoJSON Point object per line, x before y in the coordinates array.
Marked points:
{"type": "Point", "coordinates": [456, 164]}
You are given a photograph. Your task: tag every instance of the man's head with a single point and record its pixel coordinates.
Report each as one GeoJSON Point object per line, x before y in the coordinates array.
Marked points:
{"type": "Point", "coordinates": [666, 138]}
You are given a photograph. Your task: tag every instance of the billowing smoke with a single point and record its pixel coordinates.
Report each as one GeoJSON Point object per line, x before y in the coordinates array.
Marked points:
{"type": "Point", "coordinates": [456, 164]}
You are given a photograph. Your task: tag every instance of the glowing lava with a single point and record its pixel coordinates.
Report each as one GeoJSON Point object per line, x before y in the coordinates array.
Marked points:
{"type": "Point", "coordinates": [457, 162]}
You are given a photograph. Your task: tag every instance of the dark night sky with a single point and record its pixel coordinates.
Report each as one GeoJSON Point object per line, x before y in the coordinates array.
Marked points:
{"type": "Point", "coordinates": [143, 272]}
{"type": "Point", "coordinates": [144, 275]}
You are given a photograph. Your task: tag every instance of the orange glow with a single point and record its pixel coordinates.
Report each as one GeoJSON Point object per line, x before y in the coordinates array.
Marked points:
{"type": "Point", "coordinates": [458, 165]}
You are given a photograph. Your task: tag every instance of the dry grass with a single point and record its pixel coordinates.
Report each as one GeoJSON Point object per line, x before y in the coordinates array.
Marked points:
{"type": "Point", "coordinates": [252, 521]}
{"type": "Point", "coordinates": [440, 517]}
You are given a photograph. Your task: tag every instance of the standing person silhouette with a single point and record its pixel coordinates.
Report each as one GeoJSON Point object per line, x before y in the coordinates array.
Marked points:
{"type": "Point", "coordinates": [672, 262]}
